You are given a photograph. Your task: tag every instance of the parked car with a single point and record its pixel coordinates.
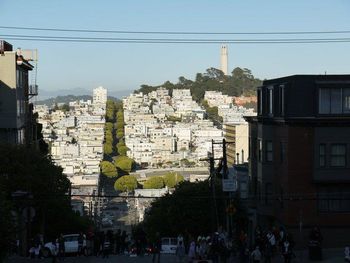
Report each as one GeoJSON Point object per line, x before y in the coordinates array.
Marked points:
{"type": "Point", "coordinates": [70, 244]}
{"type": "Point", "coordinates": [169, 245]}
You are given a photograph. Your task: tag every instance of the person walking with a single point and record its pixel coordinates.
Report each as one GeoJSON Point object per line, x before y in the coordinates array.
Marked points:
{"type": "Point", "coordinates": [157, 247]}
{"type": "Point", "coordinates": [180, 252]}
{"type": "Point", "coordinates": [256, 255]}
{"type": "Point", "coordinates": [192, 251]}
{"type": "Point", "coordinates": [286, 251]}
{"type": "Point", "coordinates": [61, 248]}
{"type": "Point", "coordinates": [54, 251]}
{"type": "Point", "coordinates": [80, 244]}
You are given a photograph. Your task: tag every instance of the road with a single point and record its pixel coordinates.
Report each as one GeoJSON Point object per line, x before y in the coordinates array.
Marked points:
{"type": "Point", "coordinates": [335, 256]}
{"type": "Point", "coordinates": [113, 258]}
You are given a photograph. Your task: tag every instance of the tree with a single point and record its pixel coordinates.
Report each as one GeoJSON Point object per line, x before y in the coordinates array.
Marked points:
{"type": "Point", "coordinates": [122, 150]}
{"type": "Point", "coordinates": [109, 126]}
{"type": "Point", "coordinates": [188, 209]}
{"type": "Point", "coordinates": [124, 163]}
{"type": "Point", "coordinates": [108, 169]}
{"type": "Point", "coordinates": [155, 182]}
{"type": "Point", "coordinates": [120, 134]}
{"type": "Point", "coordinates": [28, 170]}
{"type": "Point", "coordinates": [172, 179]}
{"type": "Point", "coordinates": [107, 148]}
{"type": "Point", "coordinates": [125, 183]}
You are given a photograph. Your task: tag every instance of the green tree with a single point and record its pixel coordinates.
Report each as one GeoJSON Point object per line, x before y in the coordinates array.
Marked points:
{"type": "Point", "coordinates": [172, 179]}
{"type": "Point", "coordinates": [107, 148]}
{"type": "Point", "coordinates": [124, 163]}
{"type": "Point", "coordinates": [155, 182]}
{"type": "Point", "coordinates": [65, 107]}
{"type": "Point", "coordinates": [109, 126]}
{"type": "Point", "coordinates": [188, 208]}
{"type": "Point", "coordinates": [108, 169]}
{"type": "Point", "coordinates": [122, 150]}
{"type": "Point", "coordinates": [120, 134]}
{"type": "Point", "coordinates": [125, 183]}
{"type": "Point", "coordinates": [28, 170]}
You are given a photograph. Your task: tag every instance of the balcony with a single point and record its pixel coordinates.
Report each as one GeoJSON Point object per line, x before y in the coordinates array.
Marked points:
{"type": "Point", "coordinates": [33, 90]}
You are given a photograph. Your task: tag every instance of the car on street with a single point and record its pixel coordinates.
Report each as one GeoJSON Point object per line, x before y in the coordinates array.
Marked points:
{"type": "Point", "coordinates": [169, 245]}
{"type": "Point", "coordinates": [70, 244]}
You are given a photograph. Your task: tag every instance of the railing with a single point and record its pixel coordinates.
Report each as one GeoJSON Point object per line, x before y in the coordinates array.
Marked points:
{"type": "Point", "coordinates": [33, 90]}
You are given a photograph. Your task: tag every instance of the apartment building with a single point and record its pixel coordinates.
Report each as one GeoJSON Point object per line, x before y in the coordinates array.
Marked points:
{"type": "Point", "coordinates": [237, 148]}
{"type": "Point", "coordinates": [299, 155]}
{"type": "Point", "coordinates": [16, 117]}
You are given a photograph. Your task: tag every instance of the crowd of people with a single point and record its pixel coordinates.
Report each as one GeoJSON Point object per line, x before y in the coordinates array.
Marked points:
{"type": "Point", "coordinates": [220, 247]}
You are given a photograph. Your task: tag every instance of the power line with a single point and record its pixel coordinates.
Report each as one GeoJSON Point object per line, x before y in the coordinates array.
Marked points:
{"type": "Point", "coordinates": [176, 32]}
{"type": "Point", "coordinates": [165, 41]}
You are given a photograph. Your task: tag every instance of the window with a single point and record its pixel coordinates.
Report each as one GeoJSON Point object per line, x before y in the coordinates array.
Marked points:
{"type": "Point", "coordinates": [281, 100]}
{"type": "Point", "coordinates": [259, 102]}
{"type": "Point", "coordinates": [259, 150]}
{"type": "Point", "coordinates": [268, 151]}
{"type": "Point", "coordinates": [333, 199]}
{"type": "Point", "coordinates": [270, 100]}
{"type": "Point", "coordinates": [334, 101]}
{"type": "Point", "coordinates": [346, 100]}
{"type": "Point", "coordinates": [322, 155]}
{"type": "Point", "coordinates": [338, 155]}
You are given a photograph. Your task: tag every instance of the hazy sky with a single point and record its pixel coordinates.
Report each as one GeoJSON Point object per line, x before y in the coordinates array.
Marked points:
{"type": "Point", "coordinates": [122, 66]}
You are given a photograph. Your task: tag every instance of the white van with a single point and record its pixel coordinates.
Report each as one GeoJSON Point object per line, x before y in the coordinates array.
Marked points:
{"type": "Point", "coordinates": [169, 245]}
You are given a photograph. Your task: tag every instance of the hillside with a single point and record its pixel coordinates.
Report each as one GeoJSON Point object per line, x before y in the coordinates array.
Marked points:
{"type": "Point", "coordinates": [68, 98]}
{"type": "Point", "coordinates": [241, 82]}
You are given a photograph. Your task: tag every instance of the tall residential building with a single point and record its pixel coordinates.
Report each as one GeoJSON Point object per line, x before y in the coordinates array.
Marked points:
{"type": "Point", "coordinates": [224, 59]}
{"type": "Point", "coordinates": [100, 95]}
{"type": "Point", "coordinates": [299, 159]}
{"type": "Point", "coordinates": [236, 134]}
{"type": "Point", "coordinates": [16, 120]}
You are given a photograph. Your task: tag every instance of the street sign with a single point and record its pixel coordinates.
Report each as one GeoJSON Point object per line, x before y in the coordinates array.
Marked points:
{"type": "Point", "coordinates": [229, 185]}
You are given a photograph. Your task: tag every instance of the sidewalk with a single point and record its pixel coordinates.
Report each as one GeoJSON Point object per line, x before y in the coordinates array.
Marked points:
{"type": "Point", "coordinates": [333, 255]}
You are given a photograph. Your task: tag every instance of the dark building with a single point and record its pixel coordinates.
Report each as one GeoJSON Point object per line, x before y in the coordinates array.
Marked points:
{"type": "Point", "coordinates": [299, 161]}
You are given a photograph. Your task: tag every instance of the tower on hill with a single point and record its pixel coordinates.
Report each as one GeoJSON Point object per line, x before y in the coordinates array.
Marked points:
{"type": "Point", "coordinates": [224, 59]}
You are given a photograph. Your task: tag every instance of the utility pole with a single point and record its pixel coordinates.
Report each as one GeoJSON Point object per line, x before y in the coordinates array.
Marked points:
{"type": "Point", "coordinates": [213, 173]}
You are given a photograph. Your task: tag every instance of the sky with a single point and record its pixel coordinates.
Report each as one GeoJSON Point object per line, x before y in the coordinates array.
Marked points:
{"type": "Point", "coordinates": [67, 67]}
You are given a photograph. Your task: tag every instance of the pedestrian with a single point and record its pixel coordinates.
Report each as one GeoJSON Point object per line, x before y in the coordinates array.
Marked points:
{"type": "Point", "coordinates": [287, 251]}
{"type": "Point", "coordinates": [157, 247]}
{"type": "Point", "coordinates": [256, 255]}
{"type": "Point", "coordinates": [192, 251]}
{"type": "Point", "coordinates": [61, 248]}
{"type": "Point", "coordinates": [180, 252]}
{"type": "Point", "coordinates": [268, 253]}
{"type": "Point", "coordinates": [54, 251]}
{"type": "Point", "coordinates": [80, 244]}
{"type": "Point", "coordinates": [347, 254]}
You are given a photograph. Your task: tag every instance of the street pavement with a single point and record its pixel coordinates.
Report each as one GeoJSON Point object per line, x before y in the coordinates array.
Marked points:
{"type": "Point", "coordinates": [90, 259]}
{"type": "Point", "coordinates": [329, 256]}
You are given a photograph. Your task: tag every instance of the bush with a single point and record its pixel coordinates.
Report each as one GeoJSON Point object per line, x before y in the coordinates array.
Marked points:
{"type": "Point", "coordinates": [155, 182]}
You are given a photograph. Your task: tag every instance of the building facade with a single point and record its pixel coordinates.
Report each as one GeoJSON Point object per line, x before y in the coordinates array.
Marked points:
{"type": "Point", "coordinates": [16, 118]}
{"type": "Point", "coordinates": [299, 155]}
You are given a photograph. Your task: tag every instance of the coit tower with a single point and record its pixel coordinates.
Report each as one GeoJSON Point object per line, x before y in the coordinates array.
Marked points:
{"type": "Point", "coordinates": [224, 59]}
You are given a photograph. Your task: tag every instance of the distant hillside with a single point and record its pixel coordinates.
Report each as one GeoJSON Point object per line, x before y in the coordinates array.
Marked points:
{"type": "Point", "coordinates": [68, 98]}
{"type": "Point", "coordinates": [240, 82]}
